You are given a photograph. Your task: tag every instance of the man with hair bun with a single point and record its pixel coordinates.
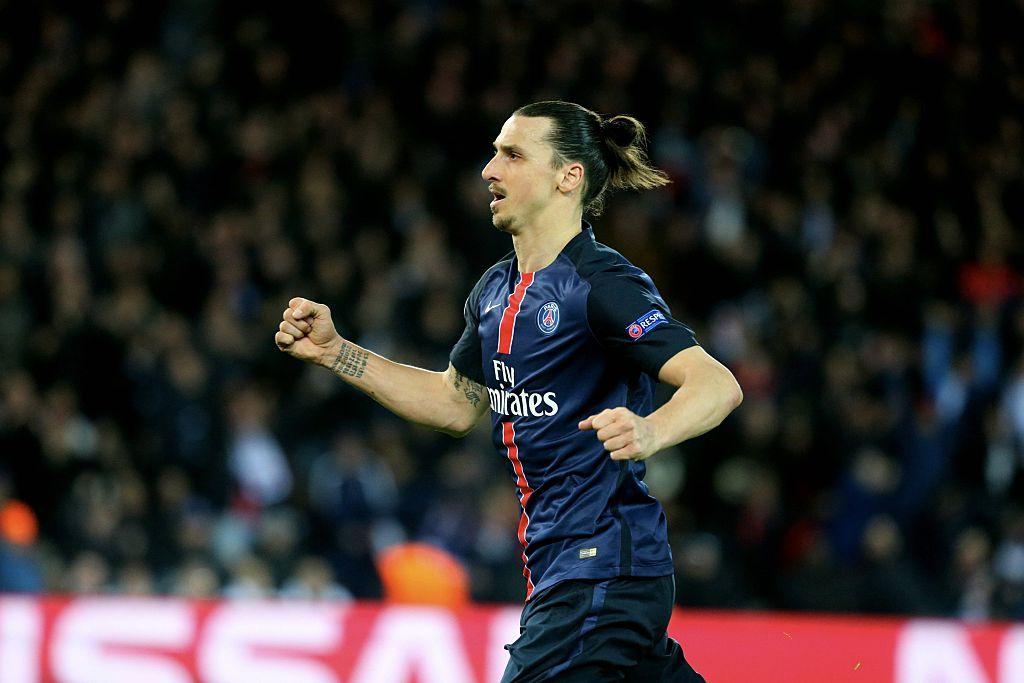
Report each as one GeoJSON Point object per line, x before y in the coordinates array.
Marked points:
{"type": "Point", "coordinates": [563, 340]}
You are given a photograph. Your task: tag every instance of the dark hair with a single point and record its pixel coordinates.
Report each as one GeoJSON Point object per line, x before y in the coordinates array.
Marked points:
{"type": "Point", "coordinates": [610, 149]}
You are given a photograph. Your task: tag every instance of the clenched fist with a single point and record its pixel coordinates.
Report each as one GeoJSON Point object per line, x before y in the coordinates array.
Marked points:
{"type": "Point", "coordinates": [625, 435]}
{"type": "Point", "coordinates": [307, 331]}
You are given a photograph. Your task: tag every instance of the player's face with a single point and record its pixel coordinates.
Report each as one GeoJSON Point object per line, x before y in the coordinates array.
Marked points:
{"type": "Point", "coordinates": [520, 175]}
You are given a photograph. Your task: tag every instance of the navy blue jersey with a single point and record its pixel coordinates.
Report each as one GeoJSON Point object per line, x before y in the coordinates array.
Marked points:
{"type": "Point", "coordinates": [553, 347]}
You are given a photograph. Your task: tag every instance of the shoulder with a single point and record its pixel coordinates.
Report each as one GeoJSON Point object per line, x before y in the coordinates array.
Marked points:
{"type": "Point", "coordinates": [618, 292]}
{"type": "Point", "coordinates": [601, 266]}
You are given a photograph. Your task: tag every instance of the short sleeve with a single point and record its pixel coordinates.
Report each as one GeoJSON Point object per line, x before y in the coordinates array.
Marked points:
{"type": "Point", "coordinates": [630, 319]}
{"type": "Point", "coordinates": [466, 355]}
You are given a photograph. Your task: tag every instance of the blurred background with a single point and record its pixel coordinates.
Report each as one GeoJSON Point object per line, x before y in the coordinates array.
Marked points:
{"type": "Point", "coordinates": [843, 230]}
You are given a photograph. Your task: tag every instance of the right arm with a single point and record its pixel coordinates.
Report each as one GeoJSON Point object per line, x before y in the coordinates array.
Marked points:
{"type": "Point", "coordinates": [446, 401]}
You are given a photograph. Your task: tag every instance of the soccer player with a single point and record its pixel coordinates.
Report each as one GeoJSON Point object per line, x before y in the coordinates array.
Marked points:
{"type": "Point", "coordinates": [563, 338]}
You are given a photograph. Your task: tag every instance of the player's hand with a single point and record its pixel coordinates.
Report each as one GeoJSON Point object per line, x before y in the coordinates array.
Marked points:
{"type": "Point", "coordinates": [307, 331]}
{"type": "Point", "coordinates": [625, 435]}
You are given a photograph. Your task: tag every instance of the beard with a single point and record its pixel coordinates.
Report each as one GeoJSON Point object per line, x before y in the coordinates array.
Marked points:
{"type": "Point", "coordinates": [503, 223]}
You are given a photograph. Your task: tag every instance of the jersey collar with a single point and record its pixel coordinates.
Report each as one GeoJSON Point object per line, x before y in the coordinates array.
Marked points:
{"type": "Point", "coordinates": [586, 234]}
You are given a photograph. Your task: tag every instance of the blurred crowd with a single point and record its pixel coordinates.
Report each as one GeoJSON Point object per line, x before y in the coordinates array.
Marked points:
{"type": "Point", "coordinates": [843, 230]}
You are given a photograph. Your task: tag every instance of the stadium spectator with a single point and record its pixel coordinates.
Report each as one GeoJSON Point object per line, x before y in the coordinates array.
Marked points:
{"type": "Point", "coordinates": [843, 228]}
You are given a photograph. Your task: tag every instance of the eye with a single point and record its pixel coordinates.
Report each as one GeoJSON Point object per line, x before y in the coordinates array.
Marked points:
{"type": "Point", "coordinates": [513, 156]}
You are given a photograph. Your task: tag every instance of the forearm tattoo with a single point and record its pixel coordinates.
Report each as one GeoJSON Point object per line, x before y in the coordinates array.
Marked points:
{"type": "Point", "coordinates": [470, 389]}
{"type": "Point", "coordinates": [350, 361]}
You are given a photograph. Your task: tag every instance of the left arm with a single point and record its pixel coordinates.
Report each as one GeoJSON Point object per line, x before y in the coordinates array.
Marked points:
{"type": "Point", "coordinates": [707, 392]}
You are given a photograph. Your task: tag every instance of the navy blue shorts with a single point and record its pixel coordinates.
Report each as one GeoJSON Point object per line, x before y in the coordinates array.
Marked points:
{"type": "Point", "coordinates": [600, 630]}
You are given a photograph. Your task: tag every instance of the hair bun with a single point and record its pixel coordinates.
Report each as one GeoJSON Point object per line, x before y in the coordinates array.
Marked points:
{"type": "Point", "coordinates": [620, 130]}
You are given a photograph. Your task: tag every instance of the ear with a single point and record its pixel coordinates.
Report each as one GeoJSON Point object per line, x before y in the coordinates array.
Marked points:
{"type": "Point", "coordinates": [571, 177]}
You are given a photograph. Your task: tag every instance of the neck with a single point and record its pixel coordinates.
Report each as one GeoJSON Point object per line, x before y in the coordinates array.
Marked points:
{"type": "Point", "coordinates": [537, 245]}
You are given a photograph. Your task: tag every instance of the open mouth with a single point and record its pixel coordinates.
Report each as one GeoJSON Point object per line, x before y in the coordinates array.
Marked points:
{"type": "Point", "coordinates": [497, 198]}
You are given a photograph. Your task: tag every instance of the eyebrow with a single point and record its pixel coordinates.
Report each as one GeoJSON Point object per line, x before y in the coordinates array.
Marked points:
{"type": "Point", "coordinates": [508, 149]}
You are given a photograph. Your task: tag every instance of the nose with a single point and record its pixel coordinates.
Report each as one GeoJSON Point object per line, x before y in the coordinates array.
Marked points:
{"type": "Point", "coordinates": [489, 172]}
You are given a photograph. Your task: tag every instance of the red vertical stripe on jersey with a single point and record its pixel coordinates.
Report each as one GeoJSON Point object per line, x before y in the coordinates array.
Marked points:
{"type": "Point", "coordinates": [507, 328]}
{"type": "Point", "coordinates": [508, 435]}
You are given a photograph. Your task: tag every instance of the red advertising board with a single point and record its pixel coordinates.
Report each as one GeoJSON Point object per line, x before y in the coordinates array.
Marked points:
{"type": "Point", "coordinates": [128, 640]}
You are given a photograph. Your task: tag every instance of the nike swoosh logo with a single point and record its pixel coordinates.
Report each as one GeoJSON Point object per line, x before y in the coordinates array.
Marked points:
{"type": "Point", "coordinates": [491, 307]}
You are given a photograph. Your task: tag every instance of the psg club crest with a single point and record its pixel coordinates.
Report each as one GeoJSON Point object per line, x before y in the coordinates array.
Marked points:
{"type": "Point", "coordinates": [547, 317]}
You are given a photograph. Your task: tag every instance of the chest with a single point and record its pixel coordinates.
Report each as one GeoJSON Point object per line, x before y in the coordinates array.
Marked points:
{"type": "Point", "coordinates": [532, 324]}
